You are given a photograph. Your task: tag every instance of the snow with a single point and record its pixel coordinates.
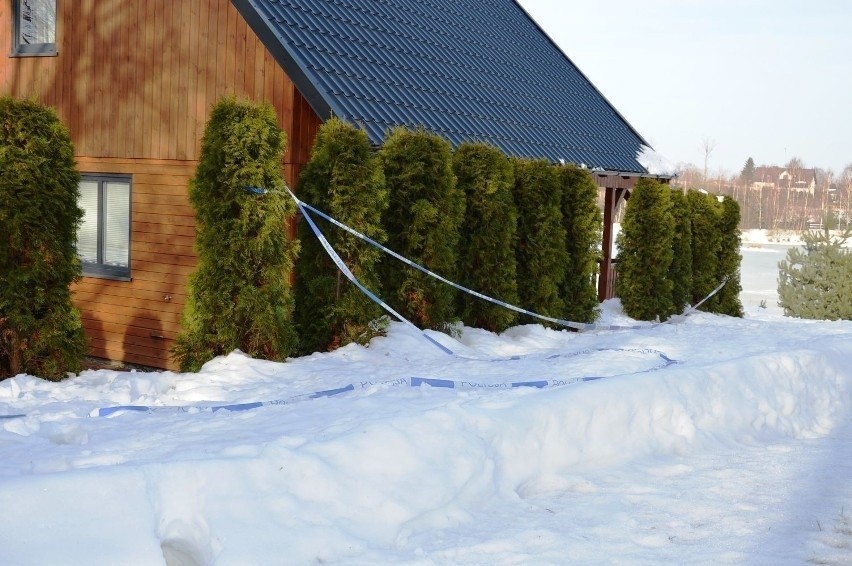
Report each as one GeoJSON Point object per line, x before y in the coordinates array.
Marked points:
{"type": "Point", "coordinates": [655, 163]}
{"type": "Point", "coordinates": [741, 452]}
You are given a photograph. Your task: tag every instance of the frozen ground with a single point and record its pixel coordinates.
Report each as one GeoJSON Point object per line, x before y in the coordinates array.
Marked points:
{"type": "Point", "coordinates": [710, 441]}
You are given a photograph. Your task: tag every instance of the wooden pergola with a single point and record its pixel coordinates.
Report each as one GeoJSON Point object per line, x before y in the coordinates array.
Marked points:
{"type": "Point", "coordinates": [617, 187]}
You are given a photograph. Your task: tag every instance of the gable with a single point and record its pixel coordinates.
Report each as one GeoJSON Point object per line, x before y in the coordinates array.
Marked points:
{"type": "Point", "coordinates": [468, 70]}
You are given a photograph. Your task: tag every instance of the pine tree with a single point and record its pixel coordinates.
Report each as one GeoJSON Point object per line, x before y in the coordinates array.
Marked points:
{"type": "Point", "coordinates": [645, 252]}
{"type": "Point", "coordinates": [583, 222]}
{"type": "Point", "coordinates": [344, 179]}
{"type": "Point", "coordinates": [540, 251]}
{"type": "Point", "coordinates": [816, 283]}
{"type": "Point", "coordinates": [704, 213]}
{"type": "Point", "coordinates": [681, 268]}
{"type": "Point", "coordinates": [729, 259]}
{"type": "Point", "coordinates": [40, 330]}
{"type": "Point", "coordinates": [422, 221]}
{"type": "Point", "coordinates": [487, 246]}
{"type": "Point", "coordinates": [239, 295]}
{"type": "Point", "coordinates": [747, 174]}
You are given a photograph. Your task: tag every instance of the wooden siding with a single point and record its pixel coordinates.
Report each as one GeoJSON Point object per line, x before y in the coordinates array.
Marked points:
{"type": "Point", "coordinates": [135, 80]}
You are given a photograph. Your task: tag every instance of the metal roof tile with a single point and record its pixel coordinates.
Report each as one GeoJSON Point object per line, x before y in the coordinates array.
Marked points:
{"type": "Point", "coordinates": [468, 69]}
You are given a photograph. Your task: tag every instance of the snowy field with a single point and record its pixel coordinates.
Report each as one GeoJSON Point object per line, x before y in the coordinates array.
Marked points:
{"type": "Point", "coordinates": [708, 441]}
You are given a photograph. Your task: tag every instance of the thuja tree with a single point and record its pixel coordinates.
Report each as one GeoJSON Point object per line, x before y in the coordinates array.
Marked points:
{"type": "Point", "coordinates": [344, 179]}
{"type": "Point", "coordinates": [582, 221]}
{"type": "Point", "coordinates": [729, 259]}
{"type": "Point", "coordinates": [422, 222]}
{"type": "Point", "coordinates": [239, 296]}
{"type": "Point", "coordinates": [645, 252]}
{"type": "Point", "coordinates": [487, 246]}
{"type": "Point", "coordinates": [680, 271]}
{"type": "Point", "coordinates": [705, 213]}
{"type": "Point", "coordinates": [816, 282]}
{"type": "Point", "coordinates": [540, 251]}
{"type": "Point", "coordinates": [40, 330]}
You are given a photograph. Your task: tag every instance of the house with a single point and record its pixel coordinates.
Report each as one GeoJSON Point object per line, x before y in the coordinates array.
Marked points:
{"type": "Point", "coordinates": [135, 80]}
{"type": "Point", "coordinates": [793, 178]}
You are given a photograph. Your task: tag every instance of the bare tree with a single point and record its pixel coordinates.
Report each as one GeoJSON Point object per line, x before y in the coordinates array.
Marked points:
{"type": "Point", "coordinates": [709, 145]}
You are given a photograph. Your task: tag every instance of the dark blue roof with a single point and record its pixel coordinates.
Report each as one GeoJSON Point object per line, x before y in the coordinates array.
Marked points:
{"type": "Point", "coordinates": [469, 70]}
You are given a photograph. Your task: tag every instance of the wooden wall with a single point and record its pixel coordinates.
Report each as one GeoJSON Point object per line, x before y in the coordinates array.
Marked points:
{"type": "Point", "coordinates": [135, 80]}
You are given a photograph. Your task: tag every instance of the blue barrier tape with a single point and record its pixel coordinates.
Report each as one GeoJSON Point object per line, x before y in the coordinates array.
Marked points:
{"type": "Point", "coordinates": [439, 383]}
{"type": "Point", "coordinates": [349, 275]}
{"type": "Point", "coordinates": [561, 322]}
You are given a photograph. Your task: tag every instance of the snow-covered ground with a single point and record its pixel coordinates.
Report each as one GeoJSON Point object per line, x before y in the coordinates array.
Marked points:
{"type": "Point", "coordinates": [713, 440]}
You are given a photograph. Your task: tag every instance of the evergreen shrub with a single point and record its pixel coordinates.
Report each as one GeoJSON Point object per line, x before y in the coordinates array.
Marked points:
{"type": "Point", "coordinates": [40, 330]}
{"type": "Point", "coordinates": [705, 216]}
{"type": "Point", "coordinates": [645, 252]}
{"type": "Point", "coordinates": [729, 259]}
{"type": "Point", "coordinates": [582, 220]}
{"type": "Point", "coordinates": [344, 179]}
{"type": "Point", "coordinates": [487, 246]}
{"type": "Point", "coordinates": [422, 221]}
{"type": "Point", "coordinates": [816, 282]}
{"type": "Point", "coordinates": [541, 255]}
{"type": "Point", "coordinates": [239, 295]}
{"type": "Point", "coordinates": [681, 268]}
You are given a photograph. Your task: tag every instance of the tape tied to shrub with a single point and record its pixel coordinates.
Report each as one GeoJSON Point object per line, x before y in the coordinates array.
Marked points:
{"type": "Point", "coordinates": [580, 326]}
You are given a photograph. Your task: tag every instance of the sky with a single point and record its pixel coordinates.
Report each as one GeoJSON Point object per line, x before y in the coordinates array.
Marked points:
{"type": "Point", "coordinates": [711, 440]}
{"type": "Point", "coordinates": [767, 79]}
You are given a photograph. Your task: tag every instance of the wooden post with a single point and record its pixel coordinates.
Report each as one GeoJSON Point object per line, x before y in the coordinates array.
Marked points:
{"type": "Point", "coordinates": [612, 198]}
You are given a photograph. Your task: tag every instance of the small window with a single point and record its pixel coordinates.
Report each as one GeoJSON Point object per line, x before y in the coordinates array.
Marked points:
{"type": "Point", "coordinates": [103, 238]}
{"type": "Point", "coordinates": [34, 30]}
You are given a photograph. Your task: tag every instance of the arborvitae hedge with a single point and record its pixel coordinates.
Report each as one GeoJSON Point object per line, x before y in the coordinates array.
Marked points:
{"type": "Point", "coordinates": [344, 179]}
{"type": "Point", "coordinates": [681, 268]}
{"type": "Point", "coordinates": [816, 283]}
{"type": "Point", "coordinates": [704, 213]}
{"type": "Point", "coordinates": [422, 222]}
{"type": "Point", "coordinates": [582, 221]}
{"type": "Point", "coordinates": [729, 259]}
{"type": "Point", "coordinates": [645, 252]}
{"type": "Point", "coordinates": [40, 330]}
{"type": "Point", "coordinates": [239, 295]}
{"type": "Point", "coordinates": [487, 246]}
{"type": "Point", "coordinates": [540, 253]}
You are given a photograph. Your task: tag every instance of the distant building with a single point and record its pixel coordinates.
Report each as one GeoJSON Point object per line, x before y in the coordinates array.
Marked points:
{"type": "Point", "coordinates": [795, 179]}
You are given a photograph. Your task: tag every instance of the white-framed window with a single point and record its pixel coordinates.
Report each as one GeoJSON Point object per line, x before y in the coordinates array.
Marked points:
{"type": "Point", "coordinates": [103, 238]}
{"type": "Point", "coordinates": [34, 27]}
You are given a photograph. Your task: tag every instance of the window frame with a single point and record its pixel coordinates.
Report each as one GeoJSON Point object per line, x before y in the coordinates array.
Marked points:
{"type": "Point", "coordinates": [100, 269]}
{"type": "Point", "coordinates": [31, 49]}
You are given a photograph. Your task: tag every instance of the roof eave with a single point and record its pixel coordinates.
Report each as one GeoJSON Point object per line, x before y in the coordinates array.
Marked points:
{"type": "Point", "coordinates": [289, 60]}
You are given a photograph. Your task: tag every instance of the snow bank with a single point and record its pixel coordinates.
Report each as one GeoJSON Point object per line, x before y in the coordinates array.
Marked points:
{"type": "Point", "coordinates": [392, 474]}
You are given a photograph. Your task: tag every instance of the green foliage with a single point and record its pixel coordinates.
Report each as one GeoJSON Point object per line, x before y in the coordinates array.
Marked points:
{"type": "Point", "coordinates": [816, 283]}
{"type": "Point", "coordinates": [239, 295]}
{"type": "Point", "coordinates": [40, 330]}
{"type": "Point", "coordinates": [747, 174]}
{"type": "Point", "coordinates": [705, 214]}
{"type": "Point", "coordinates": [729, 259]}
{"type": "Point", "coordinates": [540, 251]}
{"type": "Point", "coordinates": [583, 222]}
{"type": "Point", "coordinates": [422, 221]}
{"type": "Point", "coordinates": [681, 268]}
{"type": "Point", "coordinates": [645, 252]}
{"type": "Point", "coordinates": [487, 247]}
{"type": "Point", "coordinates": [344, 179]}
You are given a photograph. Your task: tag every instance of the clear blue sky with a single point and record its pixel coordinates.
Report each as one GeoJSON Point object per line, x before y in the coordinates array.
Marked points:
{"type": "Point", "coordinates": [768, 79]}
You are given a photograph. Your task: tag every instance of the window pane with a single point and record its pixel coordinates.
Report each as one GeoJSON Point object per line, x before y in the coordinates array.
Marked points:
{"type": "Point", "coordinates": [87, 234]}
{"type": "Point", "coordinates": [117, 229]}
{"type": "Point", "coordinates": [37, 22]}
